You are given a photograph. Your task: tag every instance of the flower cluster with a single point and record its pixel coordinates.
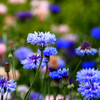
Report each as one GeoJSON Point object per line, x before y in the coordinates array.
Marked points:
{"type": "Point", "coordinates": [41, 38]}
{"type": "Point", "coordinates": [10, 86]}
{"type": "Point", "coordinates": [33, 61]}
{"type": "Point", "coordinates": [59, 74]}
{"type": "Point", "coordinates": [49, 51]}
{"type": "Point", "coordinates": [89, 83]}
{"type": "Point", "coordinates": [85, 49]}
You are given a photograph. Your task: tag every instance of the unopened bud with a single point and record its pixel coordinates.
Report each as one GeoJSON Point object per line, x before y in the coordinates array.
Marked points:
{"type": "Point", "coordinates": [69, 87]}
{"type": "Point", "coordinates": [72, 85]}
{"type": "Point", "coordinates": [12, 47]}
{"type": "Point", "coordinates": [10, 56]}
{"type": "Point", "coordinates": [7, 68]}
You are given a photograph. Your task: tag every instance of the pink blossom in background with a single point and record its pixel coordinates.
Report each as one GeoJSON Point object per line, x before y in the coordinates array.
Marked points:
{"type": "Point", "coordinates": [71, 37]}
{"type": "Point", "coordinates": [62, 29]}
{"type": "Point", "coordinates": [8, 97]}
{"type": "Point", "coordinates": [2, 48]}
{"type": "Point", "coordinates": [40, 8]}
{"type": "Point", "coordinates": [58, 97]}
{"type": "Point", "coordinates": [3, 73]}
{"type": "Point", "coordinates": [9, 20]}
{"type": "Point", "coordinates": [3, 9]}
{"type": "Point", "coordinates": [17, 1]}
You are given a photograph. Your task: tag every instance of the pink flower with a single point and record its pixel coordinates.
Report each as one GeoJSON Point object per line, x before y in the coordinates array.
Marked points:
{"type": "Point", "coordinates": [40, 8]}
{"type": "Point", "coordinates": [71, 37]}
{"type": "Point", "coordinates": [3, 9]}
{"type": "Point", "coordinates": [17, 1]}
{"type": "Point", "coordinates": [62, 29]}
{"type": "Point", "coordinates": [2, 48]}
{"type": "Point", "coordinates": [58, 97]}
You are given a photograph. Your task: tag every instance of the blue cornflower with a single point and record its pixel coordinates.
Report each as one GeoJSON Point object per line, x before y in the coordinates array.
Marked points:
{"type": "Point", "coordinates": [95, 32]}
{"type": "Point", "coordinates": [34, 96]}
{"type": "Point", "coordinates": [85, 49]}
{"type": "Point", "coordinates": [90, 83]}
{"type": "Point", "coordinates": [49, 51]}
{"type": "Point", "coordinates": [23, 15]}
{"type": "Point", "coordinates": [55, 75]}
{"type": "Point", "coordinates": [63, 72]}
{"type": "Point", "coordinates": [55, 8]}
{"type": "Point", "coordinates": [63, 44]}
{"type": "Point", "coordinates": [89, 91]}
{"type": "Point", "coordinates": [10, 86]}
{"type": "Point", "coordinates": [41, 38]}
{"type": "Point", "coordinates": [22, 53]}
{"type": "Point", "coordinates": [61, 63]}
{"type": "Point", "coordinates": [33, 61]}
{"type": "Point", "coordinates": [87, 75]}
{"type": "Point", "coordinates": [89, 64]}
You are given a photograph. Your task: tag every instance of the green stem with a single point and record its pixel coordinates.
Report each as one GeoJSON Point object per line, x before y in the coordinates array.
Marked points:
{"type": "Point", "coordinates": [27, 94]}
{"type": "Point", "coordinates": [43, 79]}
{"type": "Point", "coordinates": [64, 92]}
{"type": "Point", "coordinates": [12, 67]}
{"type": "Point", "coordinates": [8, 75]}
{"type": "Point", "coordinates": [48, 89]}
{"type": "Point", "coordinates": [77, 67]}
{"type": "Point", "coordinates": [72, 94]}
{"type": "Point", "coordinates": [1, 97]}
{"type": "Point", "coordinates": [55, 95]}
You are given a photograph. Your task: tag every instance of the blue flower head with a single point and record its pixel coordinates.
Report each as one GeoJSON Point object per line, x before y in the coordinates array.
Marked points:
{"type": "Point", "coordinates": [63, 44]}
{"type": "Point", "coordinates": [63, 72]}
{"type": "Point", "coordinates": [33, 61]}
{"type": "Point", "coordinates": [41, 38]}
{"type": "Point", "coordinates": [89, 64]}
{"type": "Point", "coordinates": [95, 32]}
{"type": "Point", "coordinates": [55, 75]}
{"type": "Point", "coordinates": [55, 8]}
{"type": "Point", "coordinates": [61, 63]}
{"type": "Point", "coordinates": [89, 83]}
{"type": "Point", "coordinates": [34, 96]}
{"type": "Point", "coordinates": [10, 86]}
{"type": "Point", "coordinates": [23, 15]}
{"type": "Point", "coordinates": [49, 51]}
{"type": "Point", "coordinates": [85, 49]}
{"type": "Point", "coordinates": [22, 53]}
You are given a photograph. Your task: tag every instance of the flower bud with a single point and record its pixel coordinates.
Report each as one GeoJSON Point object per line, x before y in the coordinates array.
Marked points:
{"type": "Point", "coordinates": [69, 86]}
{"type": "Point", "coordinates": [7, 68]}
{"type": "Point", "coordinates": [10, 56]}
{"type": "Point", "coordinates": [12, 47]}
{"type": "Point", "coordinates": [72, 85]}
{"type": "Point", "coordinates": [41, 48]}
{"type": "Point", "coordinates": [54, 84]}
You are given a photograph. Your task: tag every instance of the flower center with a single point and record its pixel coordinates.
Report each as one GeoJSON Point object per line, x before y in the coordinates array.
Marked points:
{"type": "Point", "coordinates": [86, 45]}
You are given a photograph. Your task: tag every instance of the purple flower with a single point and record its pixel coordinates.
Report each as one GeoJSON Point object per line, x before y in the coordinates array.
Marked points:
{"type": "Point", "coordinates": [49, 51]}
{"type": "Point", "coordinates": [23, 15]}
{"type": "Point", "coordinates": [95, 32]}
{"type": "Point", "coordinates": [34, 96]}
{"type": "Point", "coordinates": [55, 8]}
{"type": "Point", "coordinates": [85, 49]}
{"type": "Point", "coordinates": [33, 61]}
{"type": "Point", "coordinates": [10, 86]}
{"type": "Point", "coordinates": [41, 38]}
{"type": "Point", "coordinates": [22, 53]}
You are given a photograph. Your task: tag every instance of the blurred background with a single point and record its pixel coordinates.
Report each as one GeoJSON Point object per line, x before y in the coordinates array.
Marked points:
{"type": "Point", "coordinates": [72, 21]}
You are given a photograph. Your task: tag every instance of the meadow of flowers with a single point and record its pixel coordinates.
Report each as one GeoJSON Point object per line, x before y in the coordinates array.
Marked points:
{"type": "Point", "coordinates": [49, 50]}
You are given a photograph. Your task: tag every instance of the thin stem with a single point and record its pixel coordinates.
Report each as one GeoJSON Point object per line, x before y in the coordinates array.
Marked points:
{"type": "Point", "coordinates": [55, 95]}
{"type": "Point", "coordinates": [12, 67]}
{"type": "Point", "coordinates": [77, 67]}
{"type": "Point", "coordinates": [7, 95]}
{"type": "Point", "coordinates": [26, 96]}
{"type": "Point", "coordinates": [1, 97]}
{"type": "Point", "coordinates": [72, 94]}
{"type": "Point", "coordinates": [64, 92]}
{"type": "Point", "coordinates": [8, 75]}
{"type": "Point", "coordinates": [48, 89]}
